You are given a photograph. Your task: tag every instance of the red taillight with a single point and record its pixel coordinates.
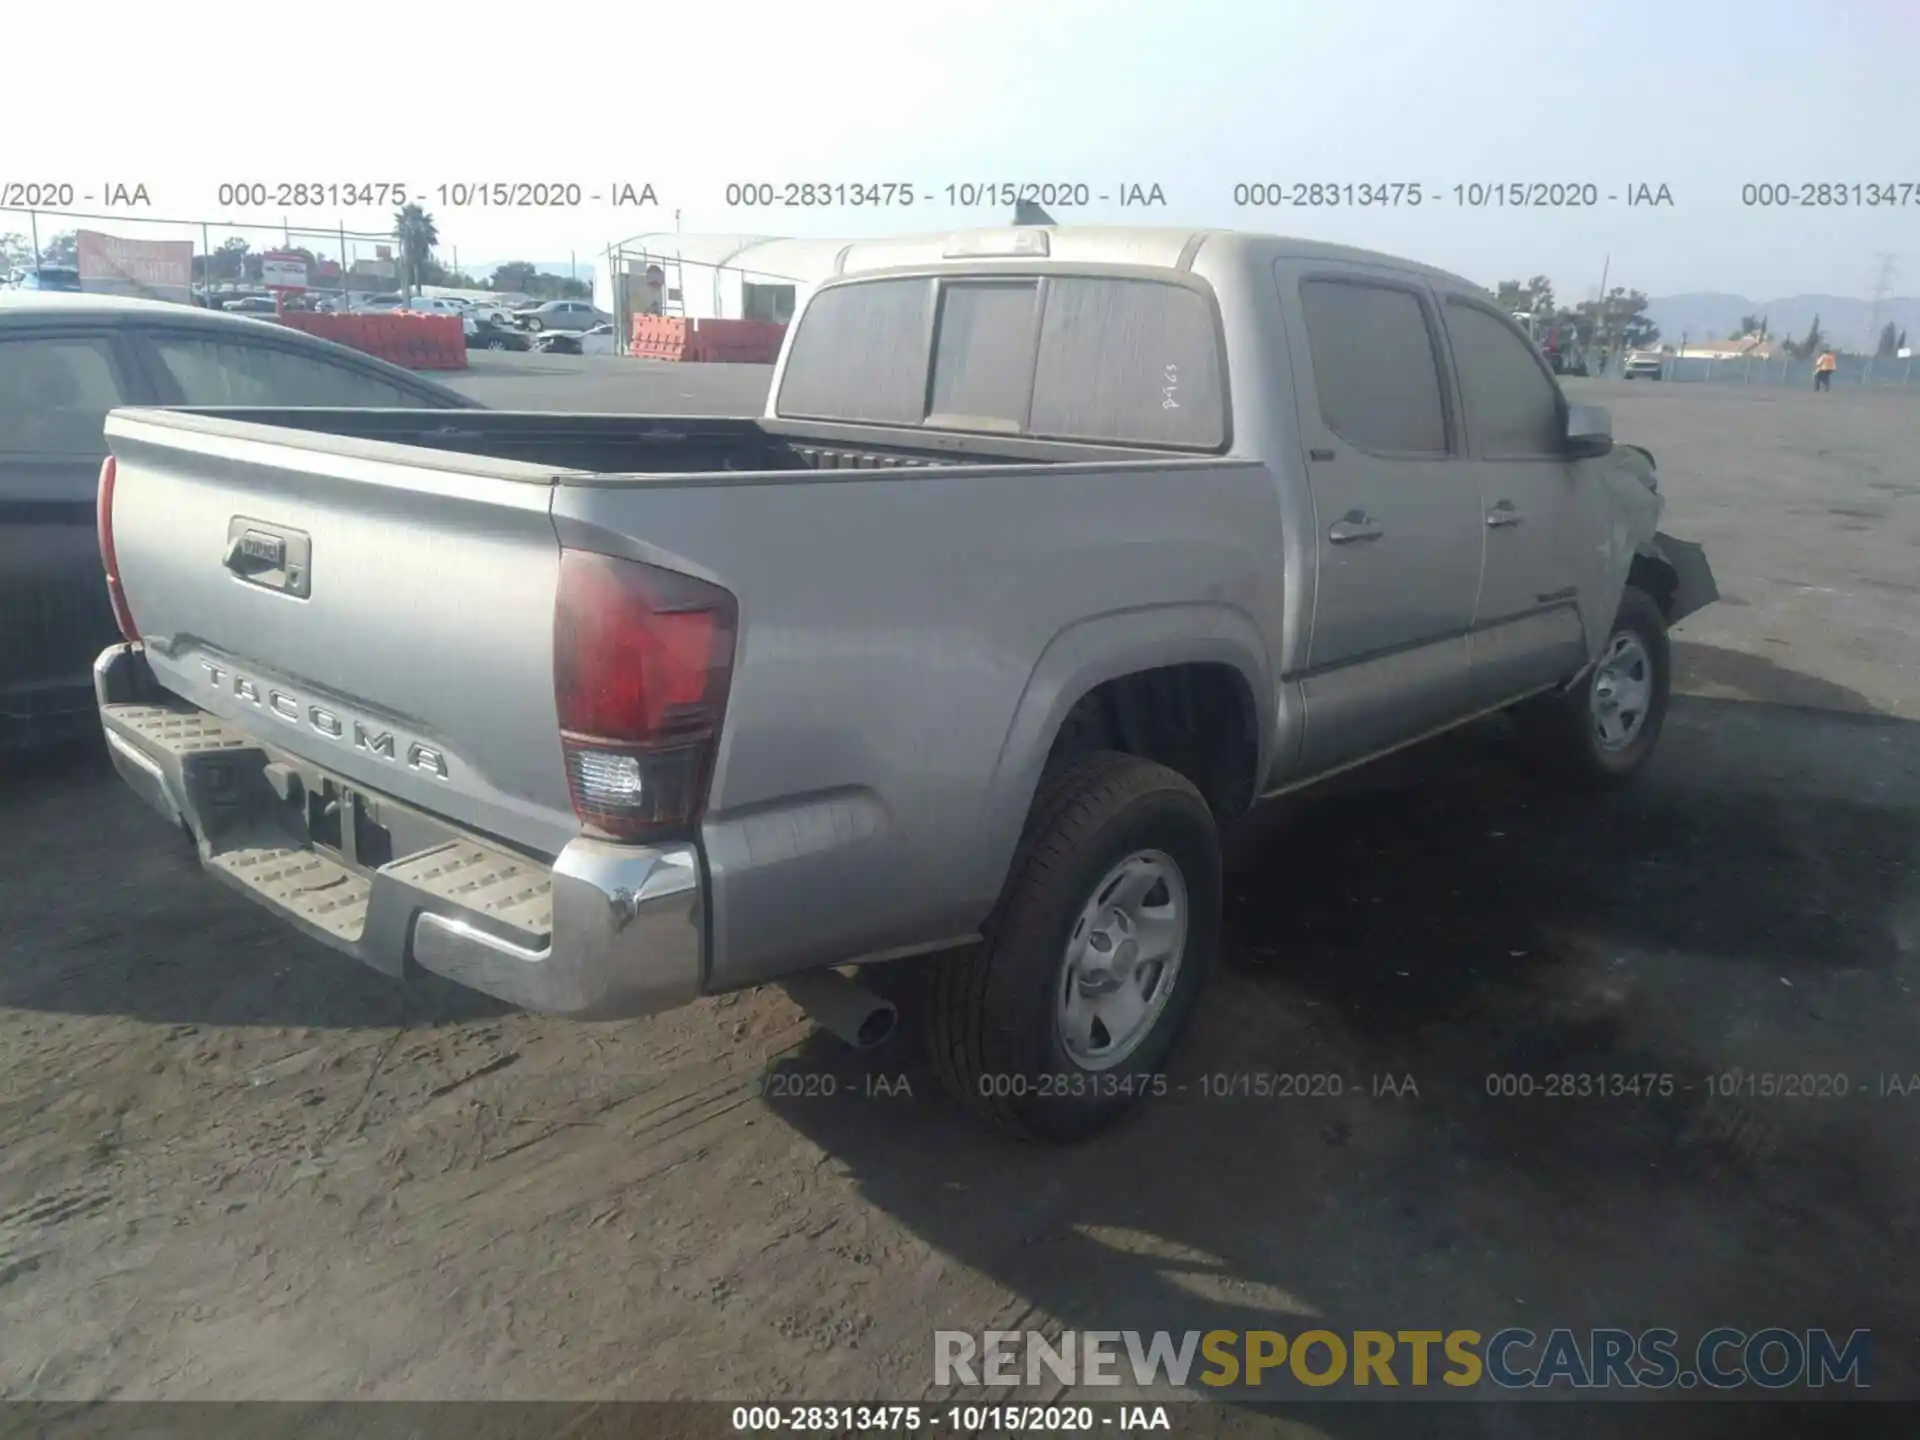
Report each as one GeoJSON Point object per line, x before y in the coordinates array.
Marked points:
{"type": "Point", "coordinates": [109, 559]}
{"type": "Point", "coordinates": [641, 662]}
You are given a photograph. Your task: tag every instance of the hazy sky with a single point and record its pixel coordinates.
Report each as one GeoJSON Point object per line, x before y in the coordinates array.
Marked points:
{"type": "Point", "coordinates": [1702, 96]}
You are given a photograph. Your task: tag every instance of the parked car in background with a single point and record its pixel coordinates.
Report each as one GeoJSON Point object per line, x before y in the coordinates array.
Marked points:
{"type": "Point", "coordinates": [436, 305]}
{"type": "Point", "coordinates": [562, 315]}
{"type": "Point", "coordinates": [600, 340]}
{"type": "Point", "coordinates": [1565, 353]}
{"type": "Point", "coordinates": [251, 305]}
{"type": "Point", "coordinates": [380, 305]}
{"type": "Point", "coordinates": [488, 335]}
{"type": "Point", "coordinates": [1643, 365]}
{"type": "Point", "coordinates": [63, 278]}
{"type": "Point", "coordinates": [1052, 552]}
{"type": "Point", "coordinates": [65, 361]}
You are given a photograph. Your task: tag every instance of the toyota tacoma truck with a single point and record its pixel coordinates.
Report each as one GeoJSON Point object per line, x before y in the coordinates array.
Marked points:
{"type": "Point", "coordinates": [1054, 551]}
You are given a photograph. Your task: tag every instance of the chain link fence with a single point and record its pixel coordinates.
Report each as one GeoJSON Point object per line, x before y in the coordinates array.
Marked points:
{"type": "Point", "coordinates": [1879, 372]}
{"type": "Point", "coordinates": [225, 255]}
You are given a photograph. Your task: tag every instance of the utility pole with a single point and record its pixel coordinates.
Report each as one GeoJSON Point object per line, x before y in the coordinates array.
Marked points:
{"type": "Point", "coordinates": [1600, 306]}
{"type": "Point", "coordinates": [1882, 287]}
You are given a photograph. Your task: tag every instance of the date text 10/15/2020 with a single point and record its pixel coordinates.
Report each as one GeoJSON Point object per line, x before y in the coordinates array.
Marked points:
{"type": "Point", "coordinates": [788, 1082]}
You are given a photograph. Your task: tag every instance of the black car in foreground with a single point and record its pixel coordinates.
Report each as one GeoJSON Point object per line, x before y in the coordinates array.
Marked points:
{"type": "Point", "coordinates": [65, 361]}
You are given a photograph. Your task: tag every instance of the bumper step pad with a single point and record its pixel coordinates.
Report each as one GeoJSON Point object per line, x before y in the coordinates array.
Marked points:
{"type": "Point", "coordinates": [179, 732]}
{"type": "Point", "coordinates": [514, 892]}
{"type": "Point", "coordinates": [319, 890]}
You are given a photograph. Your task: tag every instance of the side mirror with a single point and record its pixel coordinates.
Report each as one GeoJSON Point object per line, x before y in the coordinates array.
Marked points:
{"type": "Point", "coordinates": [1589, 431]}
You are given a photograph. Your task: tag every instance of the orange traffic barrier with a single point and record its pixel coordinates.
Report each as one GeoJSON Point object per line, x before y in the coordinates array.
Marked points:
{"type": "Point", "coordinates": [419, 342]}
{"type": "Point", "coordinates": [659, 337]}
{"type": "Point", "coordinates": [736, 342]}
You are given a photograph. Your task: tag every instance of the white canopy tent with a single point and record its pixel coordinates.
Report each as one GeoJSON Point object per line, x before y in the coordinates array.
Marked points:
{"type": "Point", "coordinates": [716, 277]}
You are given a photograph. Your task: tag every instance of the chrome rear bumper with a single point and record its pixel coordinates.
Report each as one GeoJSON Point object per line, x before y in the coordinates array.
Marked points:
{"type": "Point", "coordinates": [604, 931]}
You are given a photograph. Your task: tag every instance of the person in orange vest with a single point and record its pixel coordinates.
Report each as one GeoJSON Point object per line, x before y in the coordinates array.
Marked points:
{"type": "Point", "coordinates": [1823, 369]}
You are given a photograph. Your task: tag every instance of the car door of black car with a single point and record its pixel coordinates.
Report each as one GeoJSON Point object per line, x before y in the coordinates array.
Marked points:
{"type": "Point", "coordinates": [57, 383]}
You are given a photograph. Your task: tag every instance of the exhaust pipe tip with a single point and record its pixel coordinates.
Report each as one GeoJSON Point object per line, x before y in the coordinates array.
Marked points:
{"type": "Point", "coordinates": [843, 1008]}
{"type": "Point", "coordinates": [878, 1027]}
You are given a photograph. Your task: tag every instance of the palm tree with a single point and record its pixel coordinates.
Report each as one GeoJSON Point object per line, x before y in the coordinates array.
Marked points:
{"type": "Point", "coordinates": [415, 231]}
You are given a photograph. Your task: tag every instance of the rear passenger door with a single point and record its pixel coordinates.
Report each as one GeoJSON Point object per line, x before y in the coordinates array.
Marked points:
{"type": "Point", "coordinates": [1397, 511]}
{"type": "Point", "coordinates": [1527, 631]}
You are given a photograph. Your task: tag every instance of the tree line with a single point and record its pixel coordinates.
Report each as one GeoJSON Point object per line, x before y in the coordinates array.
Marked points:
{"type": "Point", "coordinates": [1617, 320]}
{"type": "Point", "coordinates": [1891, 340]}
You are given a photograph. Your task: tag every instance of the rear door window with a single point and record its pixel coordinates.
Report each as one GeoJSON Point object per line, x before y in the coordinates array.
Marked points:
{"type": "Point", "coordinates": [55, 392]}
{"type": "Point", "coordinates": [225, 372]}
{"type": "Point", "coordinates": [1374, 366]}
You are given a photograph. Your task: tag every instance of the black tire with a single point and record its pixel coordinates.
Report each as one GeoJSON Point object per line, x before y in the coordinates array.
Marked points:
{"type": "Point", "coordinates": [992, 1031]}
{"type": "Point", "coordinates": [1560, 732]}
{"type": "Point", "coordinates": [536, 324]}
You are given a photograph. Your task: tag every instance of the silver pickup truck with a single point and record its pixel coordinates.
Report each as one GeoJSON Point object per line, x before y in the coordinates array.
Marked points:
{"type": "Point", "coordinates": [1055, 551]}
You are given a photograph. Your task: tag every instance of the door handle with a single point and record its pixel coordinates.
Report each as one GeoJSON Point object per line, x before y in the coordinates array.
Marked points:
{"type": "Point", "coordinates": [1502, 515]}
{"type": "Point", "coordinates": [1354, 525]}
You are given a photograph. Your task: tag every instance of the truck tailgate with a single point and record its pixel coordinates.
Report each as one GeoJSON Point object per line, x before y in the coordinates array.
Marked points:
{"type": "Point", "coordinates": [385, 612]}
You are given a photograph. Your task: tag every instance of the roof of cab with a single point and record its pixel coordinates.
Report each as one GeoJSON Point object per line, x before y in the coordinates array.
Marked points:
{"type": "Point", "coordinates": [1164, 247]}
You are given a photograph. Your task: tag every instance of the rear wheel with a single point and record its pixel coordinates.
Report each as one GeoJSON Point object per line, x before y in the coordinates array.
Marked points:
{"type": "Point", "coordinates": [1602, 731]}
{"type": "Point", "coordinates": [1064, 1017]}
{"type": "Point", "coordinates": [536, 324]}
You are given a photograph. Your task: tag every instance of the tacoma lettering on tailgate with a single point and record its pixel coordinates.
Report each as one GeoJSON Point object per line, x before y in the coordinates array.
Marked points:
{"type": "Point", "coordinates": [323, 721]}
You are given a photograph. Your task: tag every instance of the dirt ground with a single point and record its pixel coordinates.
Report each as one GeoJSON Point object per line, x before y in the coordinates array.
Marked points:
{"type": "Point", "coordinates": [234, 1165]}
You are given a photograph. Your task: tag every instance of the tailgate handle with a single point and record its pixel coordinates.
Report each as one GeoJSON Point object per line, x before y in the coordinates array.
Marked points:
{"type": "Point", "coordinates": [247, 555]}
{"type": "Point", "coordinates": [274, 557]}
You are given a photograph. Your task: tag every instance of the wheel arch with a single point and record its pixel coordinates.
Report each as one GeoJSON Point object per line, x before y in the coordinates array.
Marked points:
{"type": "Point", "coordinates": [1096, 684]}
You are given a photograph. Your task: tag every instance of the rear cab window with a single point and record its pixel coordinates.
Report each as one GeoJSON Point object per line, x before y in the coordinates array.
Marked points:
{"type": "Point", "coordinates": [1094, 358]}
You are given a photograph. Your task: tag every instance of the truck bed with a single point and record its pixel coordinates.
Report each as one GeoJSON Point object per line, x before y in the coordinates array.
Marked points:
{"type": "Point", "coordinates": [644, 445]}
